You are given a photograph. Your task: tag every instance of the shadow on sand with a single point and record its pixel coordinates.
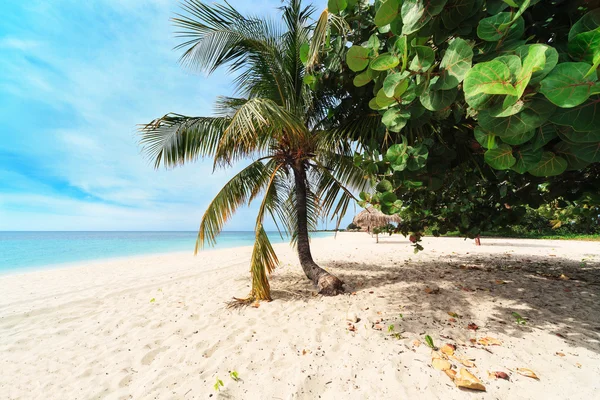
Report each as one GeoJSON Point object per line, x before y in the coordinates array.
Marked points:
{"type": "Point", "coordinates": [554, 294]}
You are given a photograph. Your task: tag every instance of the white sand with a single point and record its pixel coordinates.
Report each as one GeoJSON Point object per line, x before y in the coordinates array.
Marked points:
{"type": "Point", "coordinates": [91, 331]}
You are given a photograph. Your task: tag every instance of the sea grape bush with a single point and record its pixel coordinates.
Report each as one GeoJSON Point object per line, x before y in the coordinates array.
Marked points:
{"type": "Point", "coordinates": [480, 102]}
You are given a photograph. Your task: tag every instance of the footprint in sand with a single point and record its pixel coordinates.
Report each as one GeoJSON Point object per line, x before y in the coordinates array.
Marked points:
{"type": "Point", "coordinates": [151, 355]}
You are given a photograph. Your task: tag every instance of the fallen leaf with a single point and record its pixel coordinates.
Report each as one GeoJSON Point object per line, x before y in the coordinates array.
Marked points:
{"type": "Point", "coordinates": [304, 352]}
{"type": "Point", "coordinates": [417, 343]}
{"type": "Point", "coordinates": [560, 354]}
{"type": "Point", "coordinates": [489, 341]}
{"type": "Point", "coordinates": [441, 364]}
{"type": "Point", "coordinates": [501, 282]}
{"type": "Point", "coordinates": [434, 290]}
{"type": "Point", "coordinates": [498, 375]}
{"type": "Point", "coordinates": [451, 319]}
{"type": "Point", "coordinates": [472, 326]}
{"type": "Point", "coordinates": [473, 341]}
{"type": "Point", "coordinates": [453, 314]}
{"type": "Point", "coordinates": [451, 373]}
{"type": "Point", "coordinates": [464, 361]}
{"type": "Point", "coordinates": [527, 372]}
{"type": "Point", "coordinates": [467, 380]}
{"type": "Point", "coordinates": [448, 349]}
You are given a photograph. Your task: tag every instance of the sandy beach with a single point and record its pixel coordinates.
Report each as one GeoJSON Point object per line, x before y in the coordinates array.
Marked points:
{"type": "Point", "coordinates": [156, 327]}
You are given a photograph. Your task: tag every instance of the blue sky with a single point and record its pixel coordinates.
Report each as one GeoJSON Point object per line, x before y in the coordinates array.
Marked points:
{"type": "Point", "coordinates": [76, 77]}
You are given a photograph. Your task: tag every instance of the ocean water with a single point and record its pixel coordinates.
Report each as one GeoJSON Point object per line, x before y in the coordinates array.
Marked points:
{"type": "Point", "coordinates": [20, 251]}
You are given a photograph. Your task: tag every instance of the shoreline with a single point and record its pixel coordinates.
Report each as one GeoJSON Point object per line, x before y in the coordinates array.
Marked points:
{"type": "Point", "coordinates": [78, 263]}
{"type": "Point", "coordinates": [158, 326]}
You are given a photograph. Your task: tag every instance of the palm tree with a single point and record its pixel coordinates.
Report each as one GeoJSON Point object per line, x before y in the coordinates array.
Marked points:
{"type": "Point", "coordinates": [300, 161]}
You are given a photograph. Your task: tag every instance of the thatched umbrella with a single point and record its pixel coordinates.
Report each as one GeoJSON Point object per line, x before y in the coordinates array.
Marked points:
{"type": "Point", "coordinates": [372, 218]}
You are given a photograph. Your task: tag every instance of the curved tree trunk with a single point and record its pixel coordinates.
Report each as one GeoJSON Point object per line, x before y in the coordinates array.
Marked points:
{"type": "Point", "coordinates": [328, 285]}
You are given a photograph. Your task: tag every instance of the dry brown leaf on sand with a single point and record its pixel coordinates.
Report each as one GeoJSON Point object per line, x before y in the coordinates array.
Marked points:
{"type": "Point", "coordinates": [464, 361]}
{"type": "Point", "coordinates": [560, 354]}
{"type": "Point", "coordinates": [434, 290]}
{"type": "Point", "coordinates": [467, 380]}
{"type": "Point", "coordinates": [489, 341]}
{"type": "Point", "coordinates": [448, 349]}
{"type": "Point", "coordinates": [472, 326]}
{"type": "Point", "coordinates": [451, 373]}
{"type": "Point", "coordinates": [498, 375]}
{"type": "Point", "coordinates": [440, 364]}
{"type": "Point", "coordinates": [527, 372]}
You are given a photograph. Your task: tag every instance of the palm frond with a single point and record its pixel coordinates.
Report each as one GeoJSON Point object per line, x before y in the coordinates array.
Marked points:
{"type": "Point", "coordinates": [264, 260]}
{"type": "Point", "coordinates": [176, 139]}
{"type": "Point", "coordinates": [253, 127]}
{"type": "Point", "coordinates": [238, 191]}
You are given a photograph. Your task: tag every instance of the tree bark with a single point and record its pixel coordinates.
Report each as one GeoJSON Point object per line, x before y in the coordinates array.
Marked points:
{"type": "Point", "coordinates": [328, 285]}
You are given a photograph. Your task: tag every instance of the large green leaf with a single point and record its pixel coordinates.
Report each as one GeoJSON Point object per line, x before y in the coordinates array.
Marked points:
{"type": "Point", "coordinates": [335, 6]}
{"type": "Point", "coordinates": [417, 13]}
{"type": "Point", "coordinates": [435, 100]}
{"type": "Point", "coordinates": [551, 56]}
{"type": "Point", "coordinates": [457, 11]}
{"type": "Point", "coordinates": [574, 136]}
{"type": "Point", "coordinates": [543, 135]}
{"type": "Point", "coordinates": [588, 22]}
{"type": "Point", "coordinates": [502, 110]}
{"type": "Point", "coordinates": [384, 62]}
{"type": "Point", "coordinates": [516, 139]}
{"type": "Point", "coordinates": [395, 119]}
{"type": "Point", "coordinates": [383, 100]}
{"type": "Point", "coordinates": [567, 86]}
{"type": "Point", "coordinates": [501, 157]}
{"type": "Point", "coordinates": [362, 79]}
{"type": "Point", "coordinates": [534, 61]}
{"type": "Point", "coordinates": [589, 152]}
{"type": "Point", "coordinates": [417, 157]}
{"type": "Point", "coordinates": [564, 150]}
{"type": "Point", "coordinates": [384, 186]}
{"type": "Point", "coordinates": [455, 64]}
{"type": "Point", "coordinates": [481, 101]}
{"type": "Point", "coordinates": [387, 12]}
{"type": "Point", "coordinates": [534, 115]}
{"type": "Point", "coordinates": [583, 118]}
{"type": "Point", "coordinates": [486, 139]}
{"type": "Point", "coordinates": [586, 47]}
{"type": "Point", "coordinates": [514, 65]}
{"type": "Point", "coordinates": [527, 157]}
{"type": "Point", "coordinates": [493, 28]}
{"type": "Point", "coordinates": [549, 165]}
{"type": "Point", "coordinates": [357, 58]}
{"type": "Point", "coordinates": [423, 60]}
{"type": "Point", "coordinates": [392, 81]}
{"type": "Point", "coordinates": [492, 77]}
{"type": "Point", "coordinates": [396, 154]}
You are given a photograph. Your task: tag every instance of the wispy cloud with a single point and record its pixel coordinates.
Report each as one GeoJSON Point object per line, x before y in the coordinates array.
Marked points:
{"type": "Point", "coordinates": [73, 86]}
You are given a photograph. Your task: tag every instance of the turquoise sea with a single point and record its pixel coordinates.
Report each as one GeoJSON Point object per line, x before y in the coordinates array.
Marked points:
{"type": "Point", "coordinates": [20, 251]}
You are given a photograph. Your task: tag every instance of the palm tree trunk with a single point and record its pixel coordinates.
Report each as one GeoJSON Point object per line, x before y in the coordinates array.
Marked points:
{"type": "Point", "coordinates": [328, 285]}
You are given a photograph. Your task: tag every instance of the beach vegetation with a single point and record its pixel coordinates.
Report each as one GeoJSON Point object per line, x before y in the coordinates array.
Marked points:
{"type": "Point", "coordinates": [487, 109]}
